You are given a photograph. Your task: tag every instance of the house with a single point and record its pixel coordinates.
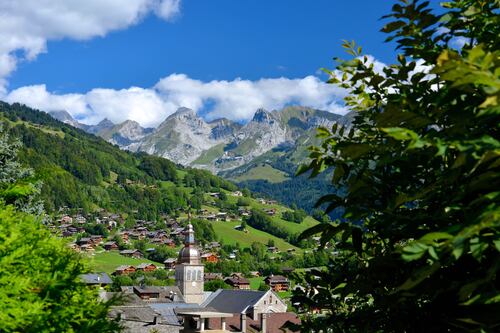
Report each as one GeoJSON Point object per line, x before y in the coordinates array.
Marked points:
{"type": "Point", "coordinates": [238, 282]}
{"type": "Point", "coordinates": [124, 270]}
{"type": "Point", "coordinates": [170, 263]}
{"type": "Point", "coordinates": [96, 239]}
{"type": "Point", "coordinates": [277, 282]}
{"type": "Point", "coordinates": [147, 292]}
{"type": "Point", "coordinates": [212, 276]}
{"type": "Point", "coordinates": [272, 249]}
{"type": "Point", "coordinates": [271, 212]}
{"type": "Point", "coordinates": [253, 311]}
{"type": "Point", "coordinates": [131, 253]}
{"type": "Point", "coordinates": [209, 257]}
{"type": "Point", "coordinates": [84, 241]}
{"type": "Point", "coordinates": [145, 267]}
{"type": "Point", "coordinates": [97, 279]}
{"type": "Point", "coordinates": [86, 247]}
{"type": "Point", "coordinates": [237, 194]}
{"type": "Point", "coordinates": [108, 246]}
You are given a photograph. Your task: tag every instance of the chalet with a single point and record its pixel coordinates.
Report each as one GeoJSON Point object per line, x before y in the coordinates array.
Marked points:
{"type": "Point", "coordinates": [96, 279]}
{"type": "Point", "coordinates": [212, 276]}
{"type": "Point", "coordinates": [66, 219]}
{"type": "Point", "coordinates": [84, 241]}
{"type": "Point", "coordinates": [212, 217]}
{"type": "Point", "coordinates": [272, 249]}
{"type": "Point", "coordinates": [238, 282]}
{"type": "Point", "coordinates": [170, 263]}
{"type": "Point", "coordinates": [271, 212]}
{"type": "Point", "coordinates": [277, 282]}
{"type": "Point", "coordinates": [237, 194]}
{"type": "Point", "coordinates": [214, 245]}
{"type": "Point", "coordinates": [124, 236]}
{"type": "Point", "coordinates": [96, 239]}
{"type": "Point", "coordinates": [87, 248]}
{"type": "Point", "coordinates": [108, 246]}
{"type": "Point", "coordinates": [209, 257]}
{"type": "Point", "coordinates": [124, 270]}
{"type": "Point", "coordinates": [222, 216]}
{"type": "Point", "coordinates": [145, 267]}
{"type": "Point", "coordinates": [169, 242]}
{"type": "Point", "coordinates": [147, 292]}
{"type": "Point", "coordinates": [131, 253]}
{"type": "Point", "coordinates": [80, 219]}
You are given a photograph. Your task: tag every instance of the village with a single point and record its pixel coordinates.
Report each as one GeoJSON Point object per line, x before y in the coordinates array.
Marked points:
{"type": "Point", "coordinates": [186, 306]}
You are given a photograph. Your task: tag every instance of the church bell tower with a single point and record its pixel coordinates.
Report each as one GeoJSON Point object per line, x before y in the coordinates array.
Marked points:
{"type": "Point", "coordinates": [189, 270]}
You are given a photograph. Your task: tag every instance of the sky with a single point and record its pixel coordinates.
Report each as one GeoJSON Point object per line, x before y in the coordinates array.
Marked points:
{"type": "Point", "coordinates": [142, 59]}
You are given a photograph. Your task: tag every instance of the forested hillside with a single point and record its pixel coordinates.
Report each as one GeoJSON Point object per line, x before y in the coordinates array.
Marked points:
{"type": "Point", "coordinates": [83, 172]}
{"type": "Point", "coordinates": [80, 170]}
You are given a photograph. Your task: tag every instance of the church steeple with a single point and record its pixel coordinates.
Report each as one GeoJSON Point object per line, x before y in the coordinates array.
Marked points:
{"type": "Point", "coordinates": [189, 270]}
{"type": "Point", "coordinates": [189, 253]}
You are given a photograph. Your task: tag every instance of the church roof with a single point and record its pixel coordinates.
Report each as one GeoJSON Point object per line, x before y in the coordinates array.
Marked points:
{"type": "Point", "coordinates": [233, 301]}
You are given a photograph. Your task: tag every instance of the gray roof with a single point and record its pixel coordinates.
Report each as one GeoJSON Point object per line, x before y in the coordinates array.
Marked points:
{"type": "Point", "coordinates": [165, 293]}
{"type": "Point", "coordinates": [96, 278]}
{"type": "Point", "coordinates": [233, 301]}
{"type": "Point", "coordinates": [168, 311]}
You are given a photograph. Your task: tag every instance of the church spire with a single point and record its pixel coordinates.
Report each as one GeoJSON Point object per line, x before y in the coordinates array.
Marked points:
{"type": "Point", "coordinates": [189, 240]}
{"type": "Point", "coordinates": [190, 253]}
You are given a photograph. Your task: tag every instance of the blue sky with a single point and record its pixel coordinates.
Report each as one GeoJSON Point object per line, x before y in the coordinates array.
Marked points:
{"type": "Point", "coordinates": [142, 59]}
{"type": "Point", "coordinates": [221, 39]}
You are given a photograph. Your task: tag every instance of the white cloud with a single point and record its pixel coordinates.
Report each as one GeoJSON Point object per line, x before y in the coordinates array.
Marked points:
{"type": "Point", "coordinates": [236, 100]}
{"type": "Point", "coordinates": [27, 25]}
{"type": "Point", "coordinates": [168, 9]}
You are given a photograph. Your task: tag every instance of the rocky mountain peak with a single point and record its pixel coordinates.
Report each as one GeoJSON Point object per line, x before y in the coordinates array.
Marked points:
{"type": "Point", "coordinates": [62, 115]}
{"type": "Point", "coordinates": [105, 123]}
{"type": "Point", "coordinates": [261, 116]}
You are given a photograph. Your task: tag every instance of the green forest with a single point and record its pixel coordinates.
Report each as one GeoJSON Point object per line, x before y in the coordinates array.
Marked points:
{"type": "Point", "coordinates": [80, 170]}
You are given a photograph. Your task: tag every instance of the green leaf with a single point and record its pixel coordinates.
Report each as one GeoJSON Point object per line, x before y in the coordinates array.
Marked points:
{"type": "Point", "coordinates": [400, 134]}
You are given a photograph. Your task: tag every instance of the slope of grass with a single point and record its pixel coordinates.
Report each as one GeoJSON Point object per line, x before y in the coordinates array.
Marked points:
{"type": "Point", "coordinates": [265, 172]}
{"type": "Point", "coordinates": [229, 235]}
{"type": "Point", "coordinates": [109, 261]}
{"type": "Point", "coordinates": [211, 154]}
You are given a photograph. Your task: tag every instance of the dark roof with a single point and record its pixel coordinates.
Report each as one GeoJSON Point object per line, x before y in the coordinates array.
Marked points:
{"type": "Point", "coordinates": [168, 311]}
{"type": "Point", "coordinates": [236, 281]}
{"type": "Point", "coordinates": [276, 279]}
{"type": "Point", "coordinates": [165, 293]}
{"type": "Point", "coordinates": [130, 251]}
{"type": "Point", "coordinates": [96, 278]}
{"type": "Point", "coordinates": [233, 301]}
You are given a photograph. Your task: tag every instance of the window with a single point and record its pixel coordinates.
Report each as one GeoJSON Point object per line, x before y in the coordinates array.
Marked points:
{"type": "Point", "coordinates": [199, 275]}
{"type": "Point", "coordinates": [188, 278]}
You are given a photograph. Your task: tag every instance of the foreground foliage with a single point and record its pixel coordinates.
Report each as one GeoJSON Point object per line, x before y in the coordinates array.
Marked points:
{"type": "Point", "coordinates": [40, 288]}
{"type": "Point", "coordinates": [419, 246]}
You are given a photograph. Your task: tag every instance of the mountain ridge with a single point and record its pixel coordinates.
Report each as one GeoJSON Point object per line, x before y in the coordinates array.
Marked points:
{"type": "Point", "coordinates": [218, 145]}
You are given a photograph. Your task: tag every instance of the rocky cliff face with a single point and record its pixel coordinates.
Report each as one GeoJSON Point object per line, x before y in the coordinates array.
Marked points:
{"type": "Point", "coordinates": [218, 145]}
{"type": "Point", "coordinates": [66, 118]}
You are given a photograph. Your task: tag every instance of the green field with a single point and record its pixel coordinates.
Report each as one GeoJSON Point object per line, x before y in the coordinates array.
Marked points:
{"type": "Point", "coordinates": [109, 261]}
{"type": "Point", "coordinates": [266, 172]}
{"type": "Point", "coordinates": [229, 235]}
{"type": "Point", "coordinates": [255, 282]}
{"type": "Point", "coordinates": [211, 154]}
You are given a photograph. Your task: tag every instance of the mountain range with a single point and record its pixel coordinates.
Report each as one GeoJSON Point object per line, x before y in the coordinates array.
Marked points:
{"type": "Point", "coordinates": [219, 145]}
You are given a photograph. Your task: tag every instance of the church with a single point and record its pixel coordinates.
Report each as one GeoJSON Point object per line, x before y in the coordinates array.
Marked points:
{"type": "Point", "coordinates": [187, 308]}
